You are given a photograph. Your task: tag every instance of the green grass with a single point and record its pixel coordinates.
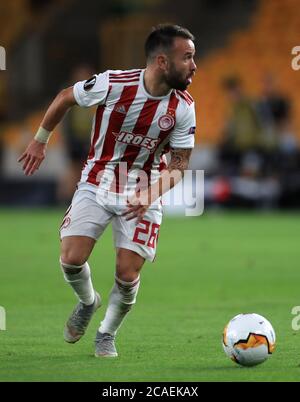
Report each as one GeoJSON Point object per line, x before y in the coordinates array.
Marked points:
{"type": "Point", "coordinates": [208, 269]}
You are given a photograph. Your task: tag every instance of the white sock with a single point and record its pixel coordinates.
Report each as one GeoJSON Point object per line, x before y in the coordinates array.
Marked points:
{"type": "Point", "coordinates": [121, 299]}
{"type": "Point", "coordinates": [81, 282]}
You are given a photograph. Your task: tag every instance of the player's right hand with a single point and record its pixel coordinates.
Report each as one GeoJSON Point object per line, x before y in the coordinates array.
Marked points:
{"type": "Point", "coordinates": [33, 157]}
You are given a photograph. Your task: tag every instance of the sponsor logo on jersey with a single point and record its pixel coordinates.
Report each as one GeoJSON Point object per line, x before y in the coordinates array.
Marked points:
{"type": "Point", "coordinates": [88, 85]}
{"type": "Point", "coordinates": [137, 140]}
{"type": "Point", "coordinates": [192, 130]}
{"type": "Point", "coordinates": [166, 122]}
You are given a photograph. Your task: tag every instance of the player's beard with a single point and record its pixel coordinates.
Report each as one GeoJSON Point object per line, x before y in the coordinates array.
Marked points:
{"type": "Point", "coordinates": [175, 79]}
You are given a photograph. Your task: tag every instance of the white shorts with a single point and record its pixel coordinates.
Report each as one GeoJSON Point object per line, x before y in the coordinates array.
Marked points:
{"type": "Point", "coordinates": [90, 213]}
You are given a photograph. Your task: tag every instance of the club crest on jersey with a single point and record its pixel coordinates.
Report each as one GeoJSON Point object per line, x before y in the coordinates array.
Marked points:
{"type": "Point", "coordinates": [166, 122]}
{"type": "Point", "coordinates": [137, 140]}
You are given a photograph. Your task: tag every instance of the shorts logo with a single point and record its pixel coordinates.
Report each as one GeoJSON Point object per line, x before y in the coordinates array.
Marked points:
{"type": "Point", "coordinates": [166, 122]}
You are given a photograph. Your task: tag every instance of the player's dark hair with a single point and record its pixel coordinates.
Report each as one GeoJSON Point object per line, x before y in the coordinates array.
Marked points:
{"type": "Point", "coordinates": [162, 38]}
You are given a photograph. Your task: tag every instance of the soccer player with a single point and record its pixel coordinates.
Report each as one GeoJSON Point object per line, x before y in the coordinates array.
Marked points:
{"type": "Point", "coordinates": [142, 114]}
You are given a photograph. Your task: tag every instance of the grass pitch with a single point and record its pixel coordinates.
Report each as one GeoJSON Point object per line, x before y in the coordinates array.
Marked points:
{"type": "Point", "coordinates": [208, 269]}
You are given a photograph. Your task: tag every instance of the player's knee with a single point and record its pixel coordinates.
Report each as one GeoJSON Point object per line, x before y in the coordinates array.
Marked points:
{"type": "Point", "coordinates": [127, 273]}
{"type": "Point", "coordinates": [127, 277]}
{"type": "Point", "coordinates": [69, 258]}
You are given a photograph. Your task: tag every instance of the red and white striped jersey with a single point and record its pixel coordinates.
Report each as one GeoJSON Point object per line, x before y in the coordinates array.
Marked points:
{"type": "Point", "coordinates": [131, 130]}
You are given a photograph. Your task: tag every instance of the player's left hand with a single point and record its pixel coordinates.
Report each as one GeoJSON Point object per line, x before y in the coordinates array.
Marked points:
{"type": "Point", "coordinates": [137, 206]}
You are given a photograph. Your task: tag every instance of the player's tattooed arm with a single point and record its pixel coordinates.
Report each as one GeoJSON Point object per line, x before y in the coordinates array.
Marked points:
{"type": "Point", "coordinates": [179, 162]}
{"type": "Point", "coordinates": [138, 204]}
{"type": "Point", "coordinates": [179, 159]}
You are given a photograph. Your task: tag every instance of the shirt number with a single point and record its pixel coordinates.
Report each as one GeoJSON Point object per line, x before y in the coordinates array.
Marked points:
{"type": "Point", "coordinates": [147, 234]}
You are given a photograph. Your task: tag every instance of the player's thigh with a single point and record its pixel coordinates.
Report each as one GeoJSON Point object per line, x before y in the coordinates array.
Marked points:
{"type": "Point", "coordinates": [75, 250]}
{"type": "Point", "coordinates": [83, 224]}
{"type": "Point", "coordinates": [128, 264]}
{"type": "Point", "coordinates": [140, 238]}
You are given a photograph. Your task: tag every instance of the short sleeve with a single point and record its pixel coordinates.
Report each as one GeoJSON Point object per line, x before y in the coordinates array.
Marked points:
{"type": "Point", "coordinates": [183, 135]}
{"type": "Point", "coordinates": [92, 91]}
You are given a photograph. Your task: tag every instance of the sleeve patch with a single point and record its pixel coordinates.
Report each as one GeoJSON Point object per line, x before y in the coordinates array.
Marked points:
{"type": "Point", "coordinates": [88, 85]}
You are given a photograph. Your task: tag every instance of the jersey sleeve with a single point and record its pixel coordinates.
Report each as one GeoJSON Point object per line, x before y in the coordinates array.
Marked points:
{"type": "Point", "coordinates": [183, 135]}
{"type": "Point", "coordinates": [92, 91]}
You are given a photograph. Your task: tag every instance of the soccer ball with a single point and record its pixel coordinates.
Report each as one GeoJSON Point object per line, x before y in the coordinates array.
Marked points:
{"type": "Point", "coordinates": [248, 339]}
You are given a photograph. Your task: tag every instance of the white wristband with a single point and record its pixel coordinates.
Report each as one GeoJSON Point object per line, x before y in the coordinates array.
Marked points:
{"type": "Point", "coordinates": [42, 135]}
